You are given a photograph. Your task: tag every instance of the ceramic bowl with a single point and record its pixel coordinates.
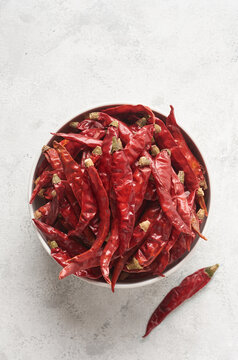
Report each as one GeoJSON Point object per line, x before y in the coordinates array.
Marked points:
{"type": "Point", "coordinates": [126, 283]}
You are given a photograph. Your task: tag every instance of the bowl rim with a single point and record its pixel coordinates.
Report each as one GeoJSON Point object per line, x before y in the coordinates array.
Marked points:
{"type": "Point", "coordinates": [128, 285]}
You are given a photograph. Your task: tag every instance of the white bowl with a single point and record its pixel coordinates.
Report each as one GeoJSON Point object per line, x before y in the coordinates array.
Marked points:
{"type": "Point", "coordinates": [132, 283]}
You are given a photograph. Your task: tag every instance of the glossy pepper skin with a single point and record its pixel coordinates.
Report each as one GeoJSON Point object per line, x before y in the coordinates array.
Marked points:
{"type": "Point", "coordinates": [138, 142]}
{"type": "Point", "coordinates": [188, 287]}
{"type": "Point", "coordinates": [155, 242]}
{"type": "Point", "coordinates": [140, 181]}
{"type": "Point", "coordinates": [124, 131]}
{"type": "Point", "coordinates": [104, 214]}
{"type": "Point", "coordinates": [124, 110]}
{"type": "Point", "coordinates": [86, 124]}
{"type": "Point", "coordinates": [165, 140]}
{"type": "Point", "coordinates": [122, 185]}
{"type": "Point", "coordinates": [104, 167]}
{"type": "Point", "coordinates": [81, 189]}
{"type": "Point", "coordinates": [161, 170]}
{"type": "Point", "coordinates": [61, 256]}
{"type": "Point", "coordinates": [52, 234]}
{"type": "Point", "coordinates": [139, 235]}
{"type": "Point", "coordinates": [81, 139]}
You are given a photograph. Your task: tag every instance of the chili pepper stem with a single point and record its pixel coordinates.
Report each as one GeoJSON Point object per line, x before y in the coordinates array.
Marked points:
{"type": "Point", "coordinates": [210, 270]}
{"type": "Point", "coordinates": [74, 124]}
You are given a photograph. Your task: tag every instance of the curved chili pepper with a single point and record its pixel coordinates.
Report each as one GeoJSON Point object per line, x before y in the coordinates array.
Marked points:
{"type": "Point", "coordinates": [173, 127]}
{"type": "Point", "coordinates": [104, 167]}
{"type": "Point", "coordinates": [154, 244]}
{"type": "Point", "coordinates": [43, 211]}
{"type": "Point", "coordinates": [161, 170]}
{"type": "Point", "coordinates": [71, 198]}
{"type": "Point", "coordinates": [127, 109]}
{"type": "Point", "coordinates": [52, 157]}
{"type": "Point", "coordinates": [52, 234]}
{"type": "Point", "coordinates": [139, 234]}
{"type": "Point", "coordinates": [124, 131]}
{"type": "Point", "coordinates": [138, 143]}
{"type": "Point", "coordinates": [81, 139]}
{"type": "Point", "coordinates": [81, 189]}
{"type": "Point", "coordinates": [181, 199]}
{"type": "Point", "coordinates": [188, 287]}
{"type": "Point", "coordinates": [122, 184]}
{"type": "Point", "coordinates": [43, 180]}
{"type": "Point", "coordinates": [140, 181]}
{"type": "Point", "coordinates": [94, 133]}
{"type": "Point", "coordinates": [151, 193]}
{"type": "Point", "coordinates": [193, 162]}
{"type": "Point", "coordinates": [165, 140]}
{"type": "Point", "coordinates": [61, 256]}
{"type": "Point", "coordinates": [138, 124]}
{"type": "Point", "coordinates": [109, 250]}
{"type": "Point", "coordinates": [104, 214]}
{"type": "Point", "coordinates": [86, 124]}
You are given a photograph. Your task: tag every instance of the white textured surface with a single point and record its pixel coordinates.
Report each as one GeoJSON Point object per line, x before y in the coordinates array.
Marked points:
{"type": "Point", "coordinates": [58, 57]}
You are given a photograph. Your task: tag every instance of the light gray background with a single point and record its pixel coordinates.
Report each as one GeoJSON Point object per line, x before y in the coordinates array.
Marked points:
{"type": "Point", "coordinates": [58, 57]}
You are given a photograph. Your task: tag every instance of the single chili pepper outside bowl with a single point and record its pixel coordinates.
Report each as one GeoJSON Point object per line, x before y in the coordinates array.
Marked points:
{"type": "Point", "coordinates": [125, 284]}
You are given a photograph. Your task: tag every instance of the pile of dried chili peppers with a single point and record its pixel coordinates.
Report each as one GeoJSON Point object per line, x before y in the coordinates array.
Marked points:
{"type": "Point", "coordinates": [123, 195]}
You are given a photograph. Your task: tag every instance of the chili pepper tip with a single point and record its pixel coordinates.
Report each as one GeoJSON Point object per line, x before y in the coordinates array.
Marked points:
{"type": "Point", "coordinates": [37, 214]}
{"type": "Point", "coordinates": [210, 270]}
{"type": "Point", "coordinates": [201, 214]}
{"type": "Point", "coordinates": [181, 176]}
{"type": "Point", "coordinates": [41, 193]}
{"type": "Point", "coordinates": [154, 150]}
{"type": "Point", "coordinates": [55, 179]}
{"type": "Point", "coordinates": [134, 265]}
{"type": "Point", "coordinates": [74, 124]}
{"type": "Point", "coordinates": [88, 162]}
{"type": "Point", "coordinates": [53, 244]}
{"type": "Point", "coordinates": [200, 192]}
{"type": "Point", "coordinates": [45, 148]}
{"type": "Point", "coordinates": [144, 225]}
{"type": "Point", "coordinates": [144, 161]}
{"type": "Point", "coordinates": [97, 150]}
{"type": "Point", "coordinates": [157, 128]}
{"type": "Point", "coordinates": [141, 122]}
{"type": "Point", "coordinates": [114, 123]}
{"type": "Point", "coordinates": [94, 115]}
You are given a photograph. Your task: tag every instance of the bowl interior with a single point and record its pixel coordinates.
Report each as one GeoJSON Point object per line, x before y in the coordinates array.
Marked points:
{"type": "Point", "coordinates": [146, 279]}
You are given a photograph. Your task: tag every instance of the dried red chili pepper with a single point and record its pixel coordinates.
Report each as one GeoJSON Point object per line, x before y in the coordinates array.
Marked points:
{"type": "Point", "coordinates": [173, 127]}
{"type": "Point", "coordinates": [109, 249]}
{"type": "Point", "coordinates": [81, 139]}
{"type": "Point", "coordinates": [104, 167]}
{"type": "Point", "coordinates": [193, 162]}
{"type": "Point", "coordinates": [154, 244]}
{"type": "Point", "coordinates": [71, 198]}
{"type": "Point", "coordinates": [140, 181]}
{"type": "Point", "coordinates": [104, 213]}
{"type": "Point", "coordinates": [124, 131]}
{"type": "Point", "coordinates": [151, 193]}
{"type": "Point", "coordinates": [42, 181]}
{"type": "Point", "coordinates": [81, 189]}
{"type": "Point", "coordinates": [52, 157]}
{"type": "Point", "coordinates": [86, 124]}
{"type": "Point", "coordinates": [188, 287]}
{"type": "Point", "coordinates": [165, 140]}
{"type": "Point", "coordinates": [52, 234]}
{"type": "Point", "coordinates": [61, 256]}
{"type": "Point", "coordinates": [138, 236]}
{"type": "Point", "coordinates": [138, 124]}
{"type": "Point", "coordinates": [94, 133]}
{"type": "Point", "coordinates": [122, 184]}
{"type": "Point", "coordinates": [128, 109]}
{"type": "Point", "coordinates": [43, 211]}
{"type": "Point", "coordinates": [161, 170]}
{"type": "Point", "coordinates": [138, 143]}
